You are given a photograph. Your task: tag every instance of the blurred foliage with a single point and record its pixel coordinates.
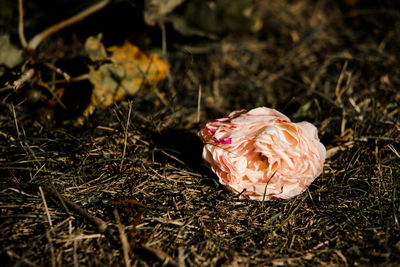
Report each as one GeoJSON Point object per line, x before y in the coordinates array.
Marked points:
{"type": "Point", "coordinates": [10, 55]}
{"type": "Point", "coordinates": [203, 18]}
{"type": "Point", "coordinates": [7, 11]}
{"type": "Point", "coordinates": [156, 10]}
{"type": "Point", "coordinates": [220, 16]}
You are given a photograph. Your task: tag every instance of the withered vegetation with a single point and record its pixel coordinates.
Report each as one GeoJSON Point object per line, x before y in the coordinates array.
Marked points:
{"type": "Point", "coordinates": [135, 169]}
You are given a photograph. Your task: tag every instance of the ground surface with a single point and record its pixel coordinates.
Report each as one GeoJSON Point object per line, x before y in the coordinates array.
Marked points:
{"type": "Point", "coordinates": [333, 63]}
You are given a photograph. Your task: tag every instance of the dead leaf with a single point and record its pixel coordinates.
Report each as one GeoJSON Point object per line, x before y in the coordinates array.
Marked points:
{"type": "Point", "coordinates": [10, 55]}
{"type": "Point", "coordinates": [125, 71]}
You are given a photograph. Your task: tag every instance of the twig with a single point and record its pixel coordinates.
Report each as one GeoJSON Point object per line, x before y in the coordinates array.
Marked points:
{"type": "Point", "coordinates": [55, 95]}
{"type": "Point", "coordinates": [53, 258]}
{"type": "Point", "coordinates": [181, 256]}
{"type": "Point", "coordinates": [338, 94]}
{"type": "Point", "coordinates": [21, 24]}
{"type": "Point", "coordinates": [75, 245]}
{"type": "Point", "coordinates": [126, 135]}
{"type": "Point", "coordinates": [391, 147]}
{"type": "Point", "coordinates": [164, 56]}
{"type": "Point", "coordinates": [123, 238]}
{"type": "Point", "coordinates": [12, 139]}
{"type": "Point", "coordinates": [48, 236]}
{"type": "Point", "coordinates": [161, 97]}
{"type": "Point", "coordinates": [59, 71]}
{"type": "Point", "coordinates": [38, 38]}
{"type": "Point", "coordinates": [100, 225]}
{"type": "Point", "coordinates": [145, 78]}
{"type": "Point", "coordinates": [198, 105]}
{"type": "Point", "coordinates": [12, 254]}
{"type": "Point", "coordinates": [15, 121]}
{"type": "Point", "coordinates": [164, 40]}
{"type": "Point", "coordinates": [343, 123]}
{"type": "Point", "coordinates": [28, 150]}
{"type": "Point", "coordinates": [24, 77]}
{"type": "Point", "coordinates": [73, 79]}
{"type": "Point", "coordinates": [339, 82]}
{"type": "Point", "coordinates": [75, 256]}
{"type": "Point", "coordinates": [37, 172]}
{"type": "Point", "coordinates": [45, 207]}
{"type": "Point", "coordinates": [7, 87]}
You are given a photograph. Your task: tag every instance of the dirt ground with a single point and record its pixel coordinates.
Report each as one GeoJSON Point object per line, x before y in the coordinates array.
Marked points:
{"type": "Point", "coordinates": [128, 187]}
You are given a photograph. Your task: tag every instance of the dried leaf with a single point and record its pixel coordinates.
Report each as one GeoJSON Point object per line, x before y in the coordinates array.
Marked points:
{"type": "Point", "coordinates": [125, 71]}
{"type": "Point", "coordinates": [95, 48]}
{"type": "Point", "coordinates": [10, 55]}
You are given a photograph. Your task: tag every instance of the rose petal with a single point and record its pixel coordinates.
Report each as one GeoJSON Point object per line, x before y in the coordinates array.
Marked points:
{"type": "Point", "coordinates": [249, 147]}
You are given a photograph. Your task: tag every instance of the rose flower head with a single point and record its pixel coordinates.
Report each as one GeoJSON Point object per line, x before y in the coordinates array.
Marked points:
{"type": "Point", "coordinates": [262, 154]}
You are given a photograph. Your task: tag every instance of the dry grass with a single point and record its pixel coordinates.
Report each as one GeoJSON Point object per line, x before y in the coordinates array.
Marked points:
{"type": "Point", "coordinates": [327, 63]}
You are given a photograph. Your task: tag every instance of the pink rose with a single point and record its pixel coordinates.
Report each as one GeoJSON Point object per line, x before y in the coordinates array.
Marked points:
{"type": "Point", "coordinates": [261, 150]}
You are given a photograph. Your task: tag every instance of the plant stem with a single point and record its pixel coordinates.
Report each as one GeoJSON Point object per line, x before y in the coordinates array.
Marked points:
{"type": "Point", "coordinates": [38, 38]}
{"type": "Point", "coordinates": [21, 24]}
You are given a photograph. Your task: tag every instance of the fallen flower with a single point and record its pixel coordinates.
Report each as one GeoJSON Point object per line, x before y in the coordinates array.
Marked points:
{"type": "Point", "coordinates": [262, 154]}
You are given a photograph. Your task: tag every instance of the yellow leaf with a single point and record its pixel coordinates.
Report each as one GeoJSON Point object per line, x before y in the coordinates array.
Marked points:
{"type": "Point", "coordinates": [125, 71]}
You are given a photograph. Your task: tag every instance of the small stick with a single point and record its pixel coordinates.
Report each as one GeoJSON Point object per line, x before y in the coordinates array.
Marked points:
{"type": "Point", "coordinates": [33, 177]}
{"type": "Point", "coordinates": [126, 135]}
{"type": "Point", "coordinates": [12, 139]}
{"type": "Point", "coordinates": [54, 94]}
{"type": "Point", "coordinates": [24, 77]}
{"type": "Point", "coordinates": [145, 78]}
{"type": "Point", "coordinates": [100, 225]}
{"type": "Point", "coordinates": [7, 87]}
{"type": "Point", "coordinates": [22, 258]}
{"type": "Point", "coordinates": [161, 97]}
{"type": "Point", "coordinates": [45, 207]}
{"type": "Point", "coordinates": [391, 147]}
{"type": "Point", "coordinates": [124, 239]}
{"type": "Point", "coordinates": [15, 120]}
{"type": "Point", "coordinates": [75, 256]}
{"type": "Point", "coordinates": [73, 79]}
{"type": "Point", "coordinates": [164, 55]}
{"type": "Point", "coordinates": [76, 263]}
{"type": "Point", "coordinates": [59, 71]}
{"type": "Point", "coordinates": [38, 38]}
{"type": "Point", "coordinates": [181, 256]}
{"type": "Point", "coordinates": [21, 24]}
{"type": "Point", "coordinates": [75, 245]}
{"type": "Point", "coordinates": [343, 123]}
{"type": "Point", "coordinates": [198, 105]}
{"type": "Point", "coordinates": [339, 82]}
{"type": "Point", "coordinates": [164, 41]}
{"type": "Point", "coordinates": [53, 258]}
